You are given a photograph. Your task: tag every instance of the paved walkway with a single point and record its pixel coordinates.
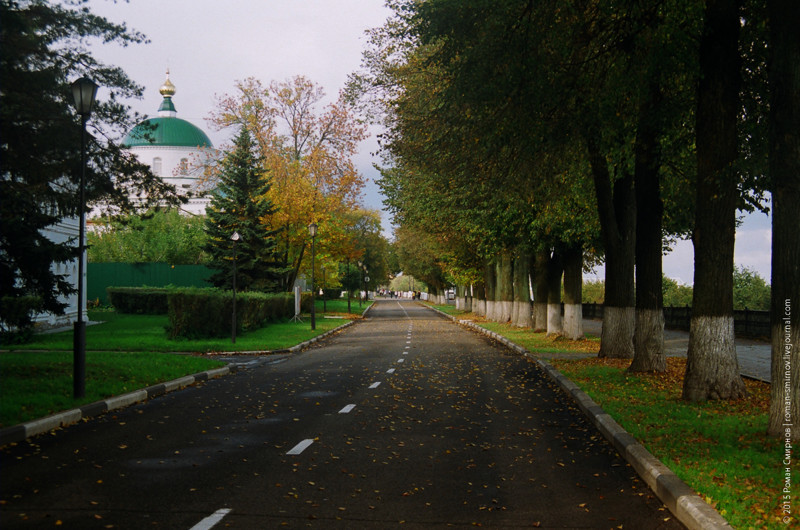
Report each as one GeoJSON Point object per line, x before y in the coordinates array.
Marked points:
{"type": "Point", "coordinates": [754, 356]}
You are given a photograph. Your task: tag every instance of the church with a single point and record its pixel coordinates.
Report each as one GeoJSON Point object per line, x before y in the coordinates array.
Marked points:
{"type": "Point", "coordinates": [177, 151]}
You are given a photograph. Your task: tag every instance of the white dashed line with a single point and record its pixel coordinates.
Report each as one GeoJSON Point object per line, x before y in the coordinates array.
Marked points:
{"type": "Point", "coordinates": [375, 384]}
{"type": "Point", "coordinates": [302, 446]}
{"type": "Point", "coordinates": [390, 371]}
{"type": "Point", "coordinates": [401, 360]}
{"type": "Point", "coordinates": [212, 520]}
{"type": "Point", "coordinates": [347, 409]}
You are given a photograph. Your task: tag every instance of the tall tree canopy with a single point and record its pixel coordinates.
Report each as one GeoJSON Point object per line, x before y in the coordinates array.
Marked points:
{"type": "Point", "coordinates": [240, 205]}
{"type": "Point", "coordinates": [44, 48]}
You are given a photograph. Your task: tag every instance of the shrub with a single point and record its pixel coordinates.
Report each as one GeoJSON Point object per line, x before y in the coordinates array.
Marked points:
{"type": "Point", "coordinates": [204, 313]}
{"type": "Point", "coordinates": [139, 300]}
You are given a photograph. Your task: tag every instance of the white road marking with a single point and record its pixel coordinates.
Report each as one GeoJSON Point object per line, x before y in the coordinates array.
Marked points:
{"type": "Point", "coordinates": [400, 360]}
{"type": "Point", "coordinates": [212, 520]}
{"type": "Point", "coordinates": [390, 371]}
{"type": "Point", "coordinates": [302, 446]}
{"type": "Point", "coordinates": [347, 409]}
{"type": "Point", "coordinates": [408, 342]}
{"type": "Point", "coordinates": [375, 384]}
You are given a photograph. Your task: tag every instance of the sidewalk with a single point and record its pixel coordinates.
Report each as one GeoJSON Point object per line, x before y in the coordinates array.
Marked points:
{"type": "Point", "coordinates": [754, 356]}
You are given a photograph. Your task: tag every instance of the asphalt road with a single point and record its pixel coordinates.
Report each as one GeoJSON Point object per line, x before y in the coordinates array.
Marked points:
{"type": "Point", "coordinates": [403, 419]}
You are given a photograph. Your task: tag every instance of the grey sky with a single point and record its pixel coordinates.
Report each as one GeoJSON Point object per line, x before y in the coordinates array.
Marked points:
{"type": "Point", "coordinates": [209, 44]}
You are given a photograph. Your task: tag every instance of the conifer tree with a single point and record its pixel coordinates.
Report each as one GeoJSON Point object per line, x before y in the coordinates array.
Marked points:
{"type": "Point", "coordinates": [239, 204]}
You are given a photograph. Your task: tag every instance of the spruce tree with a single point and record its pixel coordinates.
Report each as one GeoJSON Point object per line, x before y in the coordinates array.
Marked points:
{"type": "Point", "coordinates": [239, 204]}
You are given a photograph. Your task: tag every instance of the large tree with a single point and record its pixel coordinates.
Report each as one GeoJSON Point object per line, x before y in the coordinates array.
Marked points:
{"type": "Point", "coordinates": [44, 48]}
{"type": "Point", "coordinates": [241, 204]}
{"type": "Point", "coordinates": [784, 168]}
{"type": "Point", "coordinates": [712, 368]}
{"type": "Point", "coordinates": [309, 153]}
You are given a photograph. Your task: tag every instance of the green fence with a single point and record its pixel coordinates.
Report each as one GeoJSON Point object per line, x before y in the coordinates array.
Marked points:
{"type": "Point", "coordinates": [102, 275]}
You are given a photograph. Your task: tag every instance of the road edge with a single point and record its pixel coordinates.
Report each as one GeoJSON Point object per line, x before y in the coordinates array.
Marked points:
{"type": "Point", "coordinates": [686, 505]}
{"type": "Point", "coordinates": [23, 431]}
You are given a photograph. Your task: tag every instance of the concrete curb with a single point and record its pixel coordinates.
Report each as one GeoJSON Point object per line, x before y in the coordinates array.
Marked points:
{"type": "Point", "coordinates": [23, 431]}
{"type": "Point", "coordinates": [689, 508]}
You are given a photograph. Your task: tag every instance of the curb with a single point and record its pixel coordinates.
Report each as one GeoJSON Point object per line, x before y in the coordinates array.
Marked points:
{"type": "Point", "coordinates": [23, 431]}
{"type": "Point", "coordinates": [689, 508]}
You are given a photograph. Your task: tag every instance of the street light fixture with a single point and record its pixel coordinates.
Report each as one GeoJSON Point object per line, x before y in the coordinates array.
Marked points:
{"type": "Point", "coordinates": [235, 237]}
{"type": "Point", "coordinates": [312, 231]}
{"type": "Point", "coordinates": [84, 91]}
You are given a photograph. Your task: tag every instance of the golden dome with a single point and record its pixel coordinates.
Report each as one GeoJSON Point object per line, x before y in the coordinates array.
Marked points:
{"type": "Point", "coordinates": [167, 89]}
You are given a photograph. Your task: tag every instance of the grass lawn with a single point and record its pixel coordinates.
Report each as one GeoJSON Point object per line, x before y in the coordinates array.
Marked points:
{"type": "Point", "coordinates": [126, 353]}
{"type": "Point", "coordinates": [718, 448]}
{"type": "Point", "coordinates": [37, 384]}
{"type": "Point", "coordinates": [129, 333]}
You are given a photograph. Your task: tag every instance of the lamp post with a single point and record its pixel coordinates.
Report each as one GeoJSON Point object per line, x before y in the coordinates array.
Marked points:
{"type": "Point", "coordinates": [312, 230]}
{"type": "Point", "coordinates": [84, 91]}
{"type": "Point", "coordinates": [324, 298]}
{"type": "Point", "coordinates": [235, 238]}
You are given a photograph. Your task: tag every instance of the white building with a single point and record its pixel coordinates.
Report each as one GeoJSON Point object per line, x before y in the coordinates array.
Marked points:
{"type": "Point", "coordinates": [175, 149]}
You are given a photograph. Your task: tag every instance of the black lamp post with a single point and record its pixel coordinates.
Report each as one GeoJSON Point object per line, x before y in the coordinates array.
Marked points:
{"type": "Point", "coordinates": [324, 298]}
{"type": "Point", "coordinates": [361, 283]}
{"type": "Point", "coordinates": [312, 230]}
{"type": "Point", "coordinates": [235, 238]}
{"type": "Point", "coordinates": [84, 91]}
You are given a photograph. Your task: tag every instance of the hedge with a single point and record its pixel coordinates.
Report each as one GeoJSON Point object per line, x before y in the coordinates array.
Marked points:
{"type": "Point", "coordinates": [206, 313]}
{"type": "Point", "coordinates": [139, 300]}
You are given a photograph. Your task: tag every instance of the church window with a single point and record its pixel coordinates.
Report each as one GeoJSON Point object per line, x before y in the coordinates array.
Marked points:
{"type": "Point", "coordinates": [157, 166]}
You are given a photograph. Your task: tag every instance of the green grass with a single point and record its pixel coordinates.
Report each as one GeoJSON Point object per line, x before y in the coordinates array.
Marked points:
{"type": "Point", "coordinates": [128, 333]}
{"type": "Point", "coordinates": [127, 353]}
{"type": "Point", "coordinates": [36, 384]}
{"type": "Point", "coordinates": [720, 449]}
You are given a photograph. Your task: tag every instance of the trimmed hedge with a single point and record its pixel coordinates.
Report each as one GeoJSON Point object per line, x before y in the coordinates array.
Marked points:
{"type": "Point", "coordinates": [139, 300]}
{"type": "Point", "coordinates": [206, 313]}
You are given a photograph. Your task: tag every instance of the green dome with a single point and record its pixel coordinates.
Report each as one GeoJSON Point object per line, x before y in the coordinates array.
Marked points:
{"type": "Point", "coordinates": [166, 131]}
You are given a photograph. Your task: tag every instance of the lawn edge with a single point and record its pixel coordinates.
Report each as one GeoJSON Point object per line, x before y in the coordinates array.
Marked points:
{"type": "Point", "coordinates": [686, 505]}
{"type": "Point", "coordinates": [25, 430]}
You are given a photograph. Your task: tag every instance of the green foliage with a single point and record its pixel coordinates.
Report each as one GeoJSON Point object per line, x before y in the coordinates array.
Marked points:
{"type": "Point", "coordinates": [205, 313]}
{"type": "Point", "coordinates": [406, 282]}
{"type": "Point", "coordinates": [675, 294]}
{"type": "Point", "coordinates": [139, 300]}
{"type": "Point", "coordinates": [159, 236]}
{"type": "Point", "coordinates": [594, 292]}
{"type": "Point", "coordinates": [240, 205]}
{"type": "Point", "coordinates": [750, 291]}
{"type": "Point", "coordinates": [45, 48]}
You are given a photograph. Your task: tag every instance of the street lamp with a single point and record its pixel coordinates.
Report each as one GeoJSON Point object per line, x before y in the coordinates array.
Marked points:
{"type": "Point", "coordinates": [235, 238]}
{"type": "Point", "coordinates": [312, 231]}
{"type": "Point", "coordinates": [324, 298]}
{"type": "Point", "coordinates": [361, 272]}
{"type": "Point", "coordinates": [84, 90]}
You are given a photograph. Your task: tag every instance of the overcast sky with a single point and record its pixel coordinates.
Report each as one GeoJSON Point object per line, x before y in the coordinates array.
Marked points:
{"type": "Point", "coordinates": [209, 44]}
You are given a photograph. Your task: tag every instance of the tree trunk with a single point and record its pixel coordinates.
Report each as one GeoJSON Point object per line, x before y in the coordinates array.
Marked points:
{"type": "Point", "coordinates": [617, 212]}
{"type": "Point", "coordinates": [784, 168]}
{"type": "Point", "coordinates": [648, 338]}
{"type": "Point", "coordinates": [555, 269]}
{"type": "Point", "coordinates": [504, 292]}
{"type": "Point", "coordinates": [573, 293]}
{"type": "Point", "coordinates": [491, 286]}
{"type": "Point", "coordinates": [521, 315]}
{"type": "Point", "coordinates": [540, 291]}
{"type": "Point", "coordinates": [479, 299]}
{"type": "Point", "coordinates": [712, 369]}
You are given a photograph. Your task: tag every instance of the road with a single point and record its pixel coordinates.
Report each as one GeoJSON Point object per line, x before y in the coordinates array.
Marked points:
{"type": "Point", "coordinates": [404, 419]}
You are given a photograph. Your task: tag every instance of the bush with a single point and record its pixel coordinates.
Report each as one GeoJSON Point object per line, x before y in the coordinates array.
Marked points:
{"type": "Point", "coordinates": [139, 300]}
{"type": "Point", "coordinates": [206, 313]}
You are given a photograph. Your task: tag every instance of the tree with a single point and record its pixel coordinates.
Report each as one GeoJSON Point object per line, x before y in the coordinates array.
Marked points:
{"type": "Point", "coordinates": [45, 48]}
{"type": "Point", "coordinates": [241, 204]}
{"type": "Point", "coordinates": [750, 290]}
{"type": "Point", "coordinates": [712, 369]}
{"type": "Point", "coordinates": [157, 236]}
{"type": "Point", "coordinates": [308, 154]}
{"type": "Point", "coordinates": [784, 169]}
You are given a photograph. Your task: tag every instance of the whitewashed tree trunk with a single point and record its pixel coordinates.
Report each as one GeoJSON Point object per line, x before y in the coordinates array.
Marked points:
{"type": "Point", "coordinates": [573, 321]}
{"type": "Point", "coordinates": [618, 328]}
{"type": "Point", "coordinates": [522, 315]}
{"type": "Point", "coordinates": [715, 373]}
{"type": "Point", "coordinates": [649, 338]}
{"type": "Point", "coordinates": [540, 316]}
{"type": "Point", "coordinates": [555, 324]}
